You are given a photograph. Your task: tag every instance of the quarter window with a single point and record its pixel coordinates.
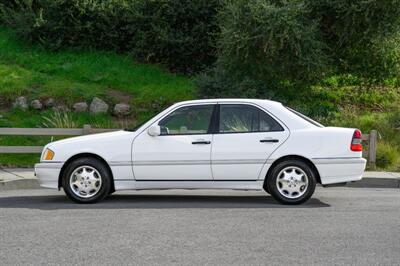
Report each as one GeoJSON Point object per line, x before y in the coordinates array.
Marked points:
{"type": "Point", "coordinates": [187, 120]}
{"type": "Point", "coordinates": [245, 118]}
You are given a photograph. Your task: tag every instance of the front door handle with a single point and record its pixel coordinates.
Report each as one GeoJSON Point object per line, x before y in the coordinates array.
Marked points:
{"type": "Point", "coordinates": [269, 140]}
{"type": "Point", "coordinates": [201, 142]}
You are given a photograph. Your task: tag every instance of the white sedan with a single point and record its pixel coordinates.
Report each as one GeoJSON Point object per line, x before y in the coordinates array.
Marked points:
{"type": "Point", "coordinates": [208, 144]}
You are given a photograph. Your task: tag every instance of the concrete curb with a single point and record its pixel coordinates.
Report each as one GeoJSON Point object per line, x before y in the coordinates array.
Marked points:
{"type": "Point", "coordinates": [366, 182]}
{"type": "Point", "coordinates": [19, 184]}
{"type": "Point", "coordinates": [370, 182]}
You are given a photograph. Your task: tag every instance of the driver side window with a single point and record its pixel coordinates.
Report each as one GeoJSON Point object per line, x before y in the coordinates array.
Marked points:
{"type": "Point", "coordinates": [188, 120]}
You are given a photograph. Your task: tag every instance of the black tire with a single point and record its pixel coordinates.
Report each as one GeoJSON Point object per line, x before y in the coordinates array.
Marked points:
{"type": "Point", "coordinates": [267, 189]}
{"type": "Point", "coordinates": [104, 175]}
{"type": "Point", "coordinates": [271, 185]}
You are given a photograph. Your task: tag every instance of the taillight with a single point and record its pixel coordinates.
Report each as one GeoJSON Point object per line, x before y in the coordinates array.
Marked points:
{"type": "Point", "coordinates": [356, 144]}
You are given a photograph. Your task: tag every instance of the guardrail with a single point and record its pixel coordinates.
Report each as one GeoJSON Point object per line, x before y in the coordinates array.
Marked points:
{"type": "Point", "coordinates": [369, 152]}
{"type": "Point", "coordinates": [86, 130]}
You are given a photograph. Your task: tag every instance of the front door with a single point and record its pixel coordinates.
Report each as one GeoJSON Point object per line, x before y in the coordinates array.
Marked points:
{"type": "Point", "coordinates": [181, 152]}
{"type": "Point", "coordinates": [246, 136]}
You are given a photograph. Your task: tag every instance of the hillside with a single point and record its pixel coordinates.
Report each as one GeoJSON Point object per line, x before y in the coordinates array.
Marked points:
{"type": "Point", "coordinates": [73, 76]}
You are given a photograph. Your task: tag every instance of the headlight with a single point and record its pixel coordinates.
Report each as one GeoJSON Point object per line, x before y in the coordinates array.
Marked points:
{"type": "Point", "coordinates": [48, 155]}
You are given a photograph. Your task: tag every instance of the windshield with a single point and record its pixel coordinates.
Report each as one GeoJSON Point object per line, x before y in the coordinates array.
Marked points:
{"type": "Point", "coordinates": [309, 120]}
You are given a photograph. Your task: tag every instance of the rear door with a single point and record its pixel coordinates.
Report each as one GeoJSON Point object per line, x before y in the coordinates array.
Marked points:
{"type": "Point", "coordinates": [245, 137]}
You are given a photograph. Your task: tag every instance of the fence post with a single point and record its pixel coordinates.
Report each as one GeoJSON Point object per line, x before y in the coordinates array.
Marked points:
{"type": "Point", "coordinates": [373, 137]}
{"type": "Point", "coordinates": [87, 129]}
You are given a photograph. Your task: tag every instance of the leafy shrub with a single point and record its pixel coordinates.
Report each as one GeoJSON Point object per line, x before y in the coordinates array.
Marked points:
{"type": "Point", "coordinates": [296, 44]}
{"type": "Point", "coordinates": [9, 3]}
{"type": "Point", "coordinates": [219, 83]}
{"type": "Point", "coordinates": [394, 119]}
{"type": "Point", "coordinates": [387, 155]}
{"type": "Point", "coordinates": [178, 34]}
{"type": "Point", "coordinates": [362, 36]}
{"type": "Point", "coordinates": [271, 40]}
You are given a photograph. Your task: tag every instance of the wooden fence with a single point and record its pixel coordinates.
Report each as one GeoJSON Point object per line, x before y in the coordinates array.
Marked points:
{"type": "Point", "coordinates": [87, 129]}
{"type": "Point", "coordinates": [369, 152]}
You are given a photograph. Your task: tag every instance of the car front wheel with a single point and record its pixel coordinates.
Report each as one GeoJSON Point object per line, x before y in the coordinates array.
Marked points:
{"type": "Point", "coordinates": [291, 182]}
{"type": "Point", "coordinates": [86, 180]}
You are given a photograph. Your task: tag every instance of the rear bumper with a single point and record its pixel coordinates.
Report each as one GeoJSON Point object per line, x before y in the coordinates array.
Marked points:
{"type": "Point", "coordinates": [340, 170]}
{"type": "Point", "coordinates": [48, 174]}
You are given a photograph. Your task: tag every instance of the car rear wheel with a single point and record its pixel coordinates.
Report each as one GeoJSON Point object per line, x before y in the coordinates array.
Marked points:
{"type": "Point", "coordinates": [291, 182]}
{"type": "Point", "coordinates": [86, 180]}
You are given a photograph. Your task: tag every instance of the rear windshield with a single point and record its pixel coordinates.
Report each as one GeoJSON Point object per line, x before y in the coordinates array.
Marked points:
{"type": "Point", "coordinates": [309, 120]}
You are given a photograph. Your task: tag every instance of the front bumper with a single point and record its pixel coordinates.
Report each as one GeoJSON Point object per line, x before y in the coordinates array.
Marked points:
{"type": "Point", "coordinates": [340, 170]}
{"type": "Point", "coordinates": [48, 174]}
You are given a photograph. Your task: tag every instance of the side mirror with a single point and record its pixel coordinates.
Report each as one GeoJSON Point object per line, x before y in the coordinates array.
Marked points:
{"type": "Point", "coordinates": [154, 130]}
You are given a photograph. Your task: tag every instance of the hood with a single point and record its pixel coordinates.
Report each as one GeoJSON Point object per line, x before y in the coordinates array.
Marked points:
{"type": "Point", "coordinates": [99, 137]}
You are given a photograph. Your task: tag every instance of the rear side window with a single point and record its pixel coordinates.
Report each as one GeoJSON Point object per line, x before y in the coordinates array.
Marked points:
{"type": "Point", "coordinates": [241, 118]}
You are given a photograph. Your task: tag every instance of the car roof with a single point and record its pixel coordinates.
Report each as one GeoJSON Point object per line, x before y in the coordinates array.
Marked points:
{"type": "Point", "coordinates": [259, 101]}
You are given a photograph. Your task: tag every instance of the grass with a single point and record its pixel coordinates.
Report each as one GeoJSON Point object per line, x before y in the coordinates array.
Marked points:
{"type": "Point", "coordinates": [70, 76]}
{"type": "Point", "coordinates": [73, 75]}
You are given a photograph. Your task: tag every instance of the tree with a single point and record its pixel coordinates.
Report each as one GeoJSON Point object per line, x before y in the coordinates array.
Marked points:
{"type": "Point", "coordinates": [283, 43]}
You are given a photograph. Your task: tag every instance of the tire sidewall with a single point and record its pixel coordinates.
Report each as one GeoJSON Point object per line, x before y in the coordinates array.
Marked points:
{"type": "Point", "coordinates": [272, 187]}
{"type": "Point", "coordinates": [100, 167]}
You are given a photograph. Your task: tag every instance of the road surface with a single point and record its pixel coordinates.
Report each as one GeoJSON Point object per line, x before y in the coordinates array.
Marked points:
{"type": "Point", "coordinates": [358, 226]}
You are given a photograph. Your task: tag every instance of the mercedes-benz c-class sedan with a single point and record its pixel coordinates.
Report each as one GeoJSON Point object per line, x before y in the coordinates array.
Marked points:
{"type": "Point", "coordinates": [208, 144]}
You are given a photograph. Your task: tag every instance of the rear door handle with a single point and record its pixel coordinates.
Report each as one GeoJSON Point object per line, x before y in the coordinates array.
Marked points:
{"type": "Point", "coordinates": [269, 140]}
{"type": "Point", "coordinates": [201, 142]}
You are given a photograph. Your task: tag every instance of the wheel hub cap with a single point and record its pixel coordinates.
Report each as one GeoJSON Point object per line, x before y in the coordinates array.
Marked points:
{"type": "Point", "coordinates": [85, 181]}
{"type": "Point", "coordinates": [292, 182]}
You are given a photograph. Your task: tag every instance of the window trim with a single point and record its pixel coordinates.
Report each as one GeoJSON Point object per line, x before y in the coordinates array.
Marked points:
{"type": "Point", "coordinates": [216, 126]}
{"type": "Point", "coordinates": [210, 126]}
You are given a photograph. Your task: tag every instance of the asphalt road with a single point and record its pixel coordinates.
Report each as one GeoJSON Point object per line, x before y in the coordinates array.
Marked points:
{"type": "Point", "coordinates": [357, 226]}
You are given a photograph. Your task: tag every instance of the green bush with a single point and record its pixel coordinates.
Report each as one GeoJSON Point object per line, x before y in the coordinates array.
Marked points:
{"type": "Point", "coordinates": [394, 119]}
{"type": "Point", "coordinates": [387, 156]}
{"type": "Point", "coordinates": [301, 43]}
{"type": "Point", "coordinates": [178, 34]}
{"type": "Point", "coordinates": [270, 40]}
{"type": "Point", "coordinates": [9, 3]}
{"type": "Point", "coordinates": [362, 36]}
{"type": "Point", "coordinates": [219, 83]}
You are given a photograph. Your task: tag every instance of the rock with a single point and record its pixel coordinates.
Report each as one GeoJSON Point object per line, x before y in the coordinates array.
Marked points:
{"type": "Point", "coordinates": [61, 108]}
{"type": "Point", "coordinates": [21, 103]}
{"type": "Point", "coordinates": [98, 106]}
{"type": "Point", "coordinates": [121, 109]}
{"type": "Point", "coordinates": [36, 104]}
{"type": "Point", "coordinates": [49, 103]}
{"type": "Point", "coordinates": [80, 107]}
